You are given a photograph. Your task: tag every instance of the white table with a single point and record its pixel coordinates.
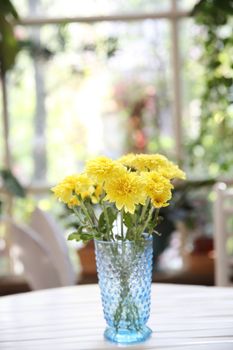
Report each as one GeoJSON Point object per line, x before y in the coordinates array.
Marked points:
{"type": "Point", "coordinates": [182, 318]}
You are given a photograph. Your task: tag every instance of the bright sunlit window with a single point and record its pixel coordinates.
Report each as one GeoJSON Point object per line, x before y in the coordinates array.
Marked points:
{"type": "Point", "coordinates": [101, 87]}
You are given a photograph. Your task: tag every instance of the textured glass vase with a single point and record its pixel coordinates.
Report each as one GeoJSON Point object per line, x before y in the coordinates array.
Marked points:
{"type": "Point", "coordinates": [125, 273]}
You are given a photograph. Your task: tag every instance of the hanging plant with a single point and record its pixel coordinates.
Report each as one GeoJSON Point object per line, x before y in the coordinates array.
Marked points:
{"type": "Point", "coordinates": [8, 43]}
{"type": "Point", "coordinates": [216, 120]}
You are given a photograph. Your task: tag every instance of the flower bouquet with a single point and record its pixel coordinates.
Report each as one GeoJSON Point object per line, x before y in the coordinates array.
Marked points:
{"type": "Point", "coordinates": [116, 203]}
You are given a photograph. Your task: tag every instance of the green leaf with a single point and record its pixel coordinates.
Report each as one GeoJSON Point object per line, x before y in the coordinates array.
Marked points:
{"type": "Point", "coordinates": [102, 227]}
{"type": "Point", "coordinates": [79, 235]}
{"type": "Point", "coordinates": [7, 8]}
{"type": "Point", "coordinates": [151, 224]}
{"type": "Point", "coordinates": [11, 184]}
{"type": "Point", "coordinates": [112, 215]}
{"type": "Point", "coordinates": [105, 223]}
{"type": "Point", "coordinates": [8, 44]}
{"type": "Point", "coordinates": [74, 236]}
{"type": "Point", "coordinates": [85, 237]}
{"type": "Point", "coordinates": [128, 220]}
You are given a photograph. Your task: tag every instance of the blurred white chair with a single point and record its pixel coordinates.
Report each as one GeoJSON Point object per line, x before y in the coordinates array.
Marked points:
{"type": "Point", "coordinates": [53, 238]}
{"type": "Point", "coordinates": [222, 212]}
{"type": "Point", "coordinates": [30, 250]}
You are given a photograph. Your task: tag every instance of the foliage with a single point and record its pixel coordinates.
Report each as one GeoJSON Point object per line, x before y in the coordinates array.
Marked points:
{"type": "Point", "coordinates": [129, 192]}
{"type": "Point", "coordinates": [8, 43]}
{"type": "Point", "coordinates": [214, 144]}
{"type": "Point", "coordinates": [11, 185]}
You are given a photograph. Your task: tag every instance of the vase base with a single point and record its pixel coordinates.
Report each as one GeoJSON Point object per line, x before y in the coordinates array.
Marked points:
{"type": "Point", "coordinates": [125, 336]}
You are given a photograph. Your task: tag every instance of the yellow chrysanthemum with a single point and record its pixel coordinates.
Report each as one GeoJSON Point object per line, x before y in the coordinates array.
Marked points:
{"type": "Point", "coordinates": [171, 171]}
{"type": "Point", "coordinates": [128, 160]}
{"type": "Point", "coordinates": [97, 194]}
{"type": "Point", "coordinates": [126, 191]}
{"type": "Point", "coordinates": [73, 201]}
{"type": "Point", "coordinates": [102, 169]}
{"type": "Point", "coordinates": [76, 184]}
{"type": "Point", "coordinates": [157, 188]}
{"type": "Point", "coordinates": [64, 190]}
{"type": "Point", "coordinates": [150, 162]}
{"type": "Point", "coordinates": [143, 162]}
{"type": "Point", "coordinates": [84, 186]}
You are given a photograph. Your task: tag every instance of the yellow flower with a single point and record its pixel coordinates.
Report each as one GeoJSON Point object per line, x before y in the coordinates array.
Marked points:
{"type": "Point", "coordinates": [150, 162]}
{"type": "Point", "coordinates": [102, 169]}
{"type": "Point", "coordinates": [79, 184]}
{"type": "Point", "coordinates": [128, 160]}
{"type": "Point", "coordinates": [84, 186]}
{"type": "Point", "coordinates": [143, 162]}
{"type": "Point", "coordinates": [64, 190]}
{"type": "Point", "coordinates": [97, 194]}
{"type": "Point", "coordinates": [126, 191]}
{"type": "Point", "coordinates": [73, 201]}
{"type": "Point", "coordinates": [171, 171]}
{"type": "Point", "coordinates": [157, 188]}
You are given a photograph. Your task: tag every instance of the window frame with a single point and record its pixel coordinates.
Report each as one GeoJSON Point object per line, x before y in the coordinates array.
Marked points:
{"type": "Point", "coordinates": [173, 15]}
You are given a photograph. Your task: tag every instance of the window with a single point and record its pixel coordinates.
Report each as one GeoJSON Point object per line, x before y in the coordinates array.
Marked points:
{"type": "Point", "coordinates": [97, 87]}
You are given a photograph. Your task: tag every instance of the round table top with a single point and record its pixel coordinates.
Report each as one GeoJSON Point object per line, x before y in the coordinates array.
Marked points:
{"type": "Point", "coordinates": [182, 318]}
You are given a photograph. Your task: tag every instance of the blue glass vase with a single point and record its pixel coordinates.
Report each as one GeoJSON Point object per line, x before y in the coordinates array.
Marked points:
{"type": "Point", "coordinates": [125, 273]}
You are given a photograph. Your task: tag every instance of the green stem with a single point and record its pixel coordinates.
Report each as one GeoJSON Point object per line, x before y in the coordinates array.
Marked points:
{"type": "Point", "coordinates": [146, 222]}
{"type": "Point", "coordinates": [135, 224]}
{"type": "Point", "coordinates": [122, 225]}
{"type": "Point", "coordinates": [78, 215]}
{"type": "Point", "coordinates": [87, 215]}
{"type": "Point", "coordinates": [109, 233]}
{"type": "Point", "coordinates": [94, 218]}
{"type": "Point", "coordinates": [156, 219]}
{"type": "Point", "coordinates": [140, 220]}
{"type": "Point", "coordinates": [144, 209]}
{"type": "Point", "coordinates": [126, 302]}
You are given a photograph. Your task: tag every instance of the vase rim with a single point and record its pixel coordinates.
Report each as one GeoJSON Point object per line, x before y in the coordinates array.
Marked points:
{"type": "Point", "coordinates": [146, 239]}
